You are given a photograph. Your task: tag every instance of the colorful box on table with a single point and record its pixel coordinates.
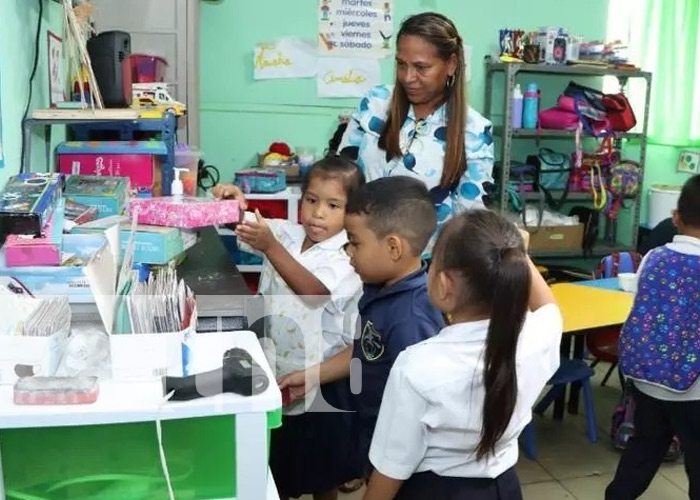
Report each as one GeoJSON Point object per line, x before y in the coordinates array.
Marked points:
{"type": "Point", "coordinates": [152, 244]}
{"type": "Point", "coordinates": [68, 278]}
{"type": "Point", "coordinates": [140, 161]}
{"type": "Point", "coordinates": [109, 195]}
{"type": "Point", "coordinates": [23, 250]}
{"type": "Point", "coordinates": [184, 212]}
{"type": "Point", "coordinates": [27, 203]}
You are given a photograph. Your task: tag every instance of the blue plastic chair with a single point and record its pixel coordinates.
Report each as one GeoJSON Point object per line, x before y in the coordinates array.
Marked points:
{"type": "Point", "coordinates": [569, 372]}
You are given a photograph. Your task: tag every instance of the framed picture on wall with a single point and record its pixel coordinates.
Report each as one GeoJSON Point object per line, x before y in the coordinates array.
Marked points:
{"type": "Point", "coordinates": [55, 64]}
{"type": "Point", "coordinates": [689, 162]}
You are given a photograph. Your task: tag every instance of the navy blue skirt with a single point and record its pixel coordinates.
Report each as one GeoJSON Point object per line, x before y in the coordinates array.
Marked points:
{"type": "Point", "coordinates": [426, 485]}
{"type": "Point", "coordinates": [316, 451]}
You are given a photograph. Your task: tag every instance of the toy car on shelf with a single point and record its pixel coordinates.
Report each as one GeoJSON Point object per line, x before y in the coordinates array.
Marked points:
{"type": "Point", "coordinates": [155, 97]}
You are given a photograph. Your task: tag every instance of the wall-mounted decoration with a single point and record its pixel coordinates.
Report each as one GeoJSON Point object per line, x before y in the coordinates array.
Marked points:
{"type": "Point", "coordinates": [57, 87]}
{"type": "Point", "coordinates": [356, 28]}
{"type": "Point", "coordinates": [689, 162]}
{"type": "Point", "coordinates": [346, 76]}
{"type": "Point", "coordinates": [285, 58]}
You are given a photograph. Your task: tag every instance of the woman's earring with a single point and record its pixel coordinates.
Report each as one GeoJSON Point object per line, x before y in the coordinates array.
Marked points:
{"type": "Point", "coordinates": [450, 81]}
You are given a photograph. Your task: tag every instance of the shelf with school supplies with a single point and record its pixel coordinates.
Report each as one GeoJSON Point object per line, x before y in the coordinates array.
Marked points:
{"type": "Point", "coordinates": [504, 129]}
{"type": "Point", "coordinates": [569, 69]}
{"type": "Point", "coordinates": [600, 249]}
{"type": "Point", "coordinates": [525, 133]}
{"type": "Point", "coordinates": [124, 122]}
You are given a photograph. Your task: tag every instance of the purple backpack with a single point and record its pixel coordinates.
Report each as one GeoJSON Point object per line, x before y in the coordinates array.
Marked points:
{"type": "Point", "coordinates": [660, 342]}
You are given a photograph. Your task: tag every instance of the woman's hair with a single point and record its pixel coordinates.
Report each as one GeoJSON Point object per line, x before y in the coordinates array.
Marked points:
{"type": "Point", "coordinates": [335, 167]}
{"type": "Point", "coordinates": [487, 255]}
{"type": "Point", "coordinates": [439, 31]}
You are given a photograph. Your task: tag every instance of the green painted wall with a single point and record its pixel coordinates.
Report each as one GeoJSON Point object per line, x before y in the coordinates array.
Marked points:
{"type": "Point", "coordinates": [240, 117]}
{"type": "Point", "coordinates": [18, 21]}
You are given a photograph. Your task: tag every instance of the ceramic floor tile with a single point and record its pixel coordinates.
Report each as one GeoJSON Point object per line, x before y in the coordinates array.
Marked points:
{"type": "Point", "coordinates": [565, 452]}
{"type": "Point", "coordinates": [531, 472]}
{"type": "Point", "coordinates": [593, 488]}
{"type": "Point", "coordinates": [546, 491]}
{"type": "Point", "coordinates": [676, 474]}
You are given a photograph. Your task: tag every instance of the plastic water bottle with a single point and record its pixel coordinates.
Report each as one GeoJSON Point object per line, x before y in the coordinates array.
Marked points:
{"type": "Point", "coordinates": [531, 106]}
{"type": "Point", "coordinates": [517, 108]}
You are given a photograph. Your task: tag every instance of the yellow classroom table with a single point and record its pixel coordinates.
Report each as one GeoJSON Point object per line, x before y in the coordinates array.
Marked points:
{"type": "Point", "coordinates": [587, 308]}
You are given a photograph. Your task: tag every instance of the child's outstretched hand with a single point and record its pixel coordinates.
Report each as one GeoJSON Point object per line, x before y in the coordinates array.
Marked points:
{"type": "Point", "coordinates": [256, 233]}
{"type": "Point", "coordinates": [297, 385]}
{"type": "Point", "coordinates": [229, 191]}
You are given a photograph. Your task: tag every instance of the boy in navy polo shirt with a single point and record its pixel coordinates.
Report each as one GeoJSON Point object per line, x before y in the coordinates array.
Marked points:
{"type": "Point", "coordinates": [389, 222]}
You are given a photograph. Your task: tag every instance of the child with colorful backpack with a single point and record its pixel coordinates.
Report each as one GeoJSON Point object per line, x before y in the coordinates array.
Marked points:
{"type": "Point", "coordinates": [660, 353]}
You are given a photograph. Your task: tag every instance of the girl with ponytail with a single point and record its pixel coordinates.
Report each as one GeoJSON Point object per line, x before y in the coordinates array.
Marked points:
{"type": "Point", "coordinates": [454, 405]}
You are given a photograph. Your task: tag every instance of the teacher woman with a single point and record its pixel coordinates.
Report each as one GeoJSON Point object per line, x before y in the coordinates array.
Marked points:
{"type": "Point", "coordinates": [422, 126]}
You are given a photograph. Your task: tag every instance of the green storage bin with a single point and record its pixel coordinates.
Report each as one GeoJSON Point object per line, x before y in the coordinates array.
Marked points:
{"type": "Point", "coordinates": [121, 461]}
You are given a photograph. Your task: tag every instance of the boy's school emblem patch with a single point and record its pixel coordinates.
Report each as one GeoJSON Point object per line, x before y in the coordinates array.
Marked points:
{"type": "Point", "coordinates": [372, 346]}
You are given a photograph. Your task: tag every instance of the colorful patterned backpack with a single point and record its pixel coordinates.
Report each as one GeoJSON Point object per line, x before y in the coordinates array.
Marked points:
{"type": "Point", "coordinates": [622, 428]}
{"type": "Point", "coordinates": [624, 181]}
{"type": "Point", "coordinates": [660, 341]}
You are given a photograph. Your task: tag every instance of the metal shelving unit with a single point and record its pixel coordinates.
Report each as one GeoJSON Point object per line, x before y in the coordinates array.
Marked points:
{"type": "Point", "coordinates": [123, 121]}
{"type": "Point", "coordinates": [508, 133]}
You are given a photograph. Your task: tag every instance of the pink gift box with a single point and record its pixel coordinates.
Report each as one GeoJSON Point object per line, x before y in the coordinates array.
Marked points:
{"type": "Point", "coordinates": [25, 250]}
{"type": "Point", "coordinates": [184, 212]}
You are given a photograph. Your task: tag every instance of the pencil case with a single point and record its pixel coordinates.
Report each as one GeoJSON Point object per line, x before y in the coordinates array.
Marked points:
{"type": "Point", "coordinates": [56, 390]}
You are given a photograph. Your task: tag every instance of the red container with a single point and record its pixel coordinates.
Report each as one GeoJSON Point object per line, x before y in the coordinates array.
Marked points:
{"type": "Point", "coordinates": [147, 68]}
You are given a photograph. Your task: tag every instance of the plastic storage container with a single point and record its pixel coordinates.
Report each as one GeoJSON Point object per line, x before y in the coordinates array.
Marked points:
{"type": "Point", "coordinates": [189, 159]}
{"type": "Point", "coordinates": [662, 201]}
{"type": "Point", "coordinates": [147, 68]}
{"type": "Point", "coordinates": [258, 180]}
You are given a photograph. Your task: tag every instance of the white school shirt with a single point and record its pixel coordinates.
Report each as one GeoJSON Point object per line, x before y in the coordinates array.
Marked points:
{"type": "Point", "coordinates": [423, 144]}
{"type": "Point", "coordinates": [431, 413]}
{"type": "Point", "coordinates": [304, 335]}
{"type": "Point", "coordinates": [689, 246]}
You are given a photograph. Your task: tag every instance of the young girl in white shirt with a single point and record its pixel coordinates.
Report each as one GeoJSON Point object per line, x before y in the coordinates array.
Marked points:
{"type": "Point", "coordinates": [311, 293]}
{"type": "Point", "coordinates": [455, 404]}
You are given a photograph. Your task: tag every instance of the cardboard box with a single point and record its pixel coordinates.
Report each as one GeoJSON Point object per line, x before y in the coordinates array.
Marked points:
{"type": "Point", "coordinates": [28, 201]}
{"type": "Point", "coordinates": [185, 212]}
{"type": "Point", "coordinates": [557, 238]}
{"type": "Point", "coordinates": [41, 355]}
{"type": "Point", "coordinates": [152, 244]}
{"type": "Point", "coordinates": [23, 250]}
{"type": "Point", "coordinates": [140, 161]}
{"type": "Point", "coordinates": [67, 279]}
{"type": "Point", "coordinates": [140, 357]}
{"type": "Point", "coordinates": [108, 194]}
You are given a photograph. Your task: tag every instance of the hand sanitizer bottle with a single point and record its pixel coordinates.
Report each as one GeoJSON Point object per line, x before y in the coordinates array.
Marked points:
{"type": "Point", "coordinates": [176, 187]}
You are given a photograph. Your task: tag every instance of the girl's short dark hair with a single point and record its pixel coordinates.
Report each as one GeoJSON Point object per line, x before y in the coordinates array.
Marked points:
{"type": "Point", "coordinates": [689, 203]}
{"type": "Point", "coordinates": [336, 167]}
{"type": "Point", "coordinates": [487, 255]}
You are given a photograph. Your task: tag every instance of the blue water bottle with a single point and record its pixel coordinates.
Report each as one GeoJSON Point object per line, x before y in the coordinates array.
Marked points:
{"type": "Point", "coordinates": [531, 106]}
